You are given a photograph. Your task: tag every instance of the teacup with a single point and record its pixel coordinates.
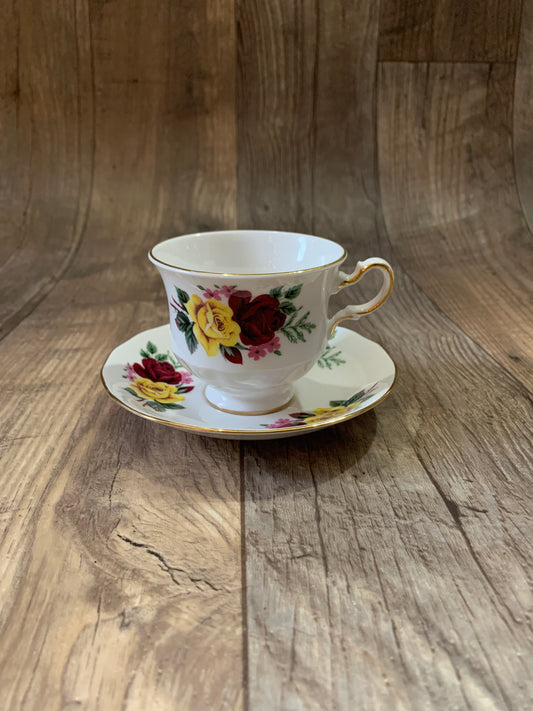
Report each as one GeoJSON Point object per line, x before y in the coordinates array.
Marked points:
{"type": "Point", "coordinates": [249, 309]}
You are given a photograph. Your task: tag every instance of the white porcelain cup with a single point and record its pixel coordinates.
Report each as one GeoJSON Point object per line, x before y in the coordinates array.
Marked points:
{"type": "Point", "coordinates": [249, 309]}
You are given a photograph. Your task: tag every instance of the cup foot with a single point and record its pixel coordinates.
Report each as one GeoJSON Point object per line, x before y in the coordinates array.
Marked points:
{"type": "Point", "coordinates": [249, 403]}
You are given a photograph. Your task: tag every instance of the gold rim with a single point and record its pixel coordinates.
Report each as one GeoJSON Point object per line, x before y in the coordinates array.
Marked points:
{"type": "Point", "coordinates": [259, 274]}
{"type": "Point", "coordinates": [355, 279]}
{"type": "Point", "coordinates": [243, 412]}
{"type": "Point", "coordinates": [213, 430]}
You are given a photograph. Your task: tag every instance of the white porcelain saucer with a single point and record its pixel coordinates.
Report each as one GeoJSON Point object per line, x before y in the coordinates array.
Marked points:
{"type": "Point", "coordinates": [351, 377]}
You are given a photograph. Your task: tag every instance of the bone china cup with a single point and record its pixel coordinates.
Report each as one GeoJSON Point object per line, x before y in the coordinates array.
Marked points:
{"type": "Point", "coordinates": [249, 309]}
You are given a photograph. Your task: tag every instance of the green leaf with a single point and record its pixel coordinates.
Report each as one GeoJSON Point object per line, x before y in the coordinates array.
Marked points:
{"type": "Point", "coordinates": [156, 406]}
{"type": "Point", "coordinates": [190, 338]}
{"type": "Point", "coordinates": [151, 347]}
{"type": "Point", "coordinates": [132, 392]}
{"type": "Point", "coordinates": [202, 288]}
{"type": "Point", "coordinates": [358, 397]}
{"type": "Point", "coordinates": [330, 357]}
{"type": "Point", "coordinates": [186, 326]}
{"type": "Point", "coordinates": [289, 335]}
{"type": "Point", "coordinates": [275, 293]}
{"type": "Point", "coordinates": [172, 360]}
{"type": "Point", "coordinates": [144, 354]}
{"type": "Point", "coordinates": [293, 291]}
{"type": "Point", "coordinates": [277, 352]}
{"type": "Point", "coordinates": [305, 324]}
{"type": "Point", "coordinates": [161, 356]}
{"type": "Point", "coordinates": [355, 398]}
{"type": "Point", "coordinates": [182, 321]}
{"type": "Point", "coordinates": [172, 406]}
{"type": "Point", "coordinates": [183, 296]}
{"type": "Point", "coordinates": [294, 332]}
{"type": "Point", "coordinates": [288, 307]}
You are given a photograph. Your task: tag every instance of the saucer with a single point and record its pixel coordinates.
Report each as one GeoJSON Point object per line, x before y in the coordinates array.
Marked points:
{"type": "Point", "coordinates": [352, 376]}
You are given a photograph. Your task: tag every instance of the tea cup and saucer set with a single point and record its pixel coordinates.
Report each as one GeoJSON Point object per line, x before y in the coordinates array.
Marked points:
{"type": "Point", "coordinates": [250, 351]}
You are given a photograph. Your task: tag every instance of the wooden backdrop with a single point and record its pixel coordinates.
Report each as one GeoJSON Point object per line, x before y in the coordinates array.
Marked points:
{"type": "Point", "coordinates": [381, 564]}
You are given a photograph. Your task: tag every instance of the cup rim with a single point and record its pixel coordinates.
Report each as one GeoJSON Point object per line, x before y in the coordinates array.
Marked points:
{"type": "Point", "coordinates": [155, 260]}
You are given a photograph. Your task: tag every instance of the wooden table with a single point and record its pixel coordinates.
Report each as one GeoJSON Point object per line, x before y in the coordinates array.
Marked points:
{"type": "Point", "coordinates": [381, 564]}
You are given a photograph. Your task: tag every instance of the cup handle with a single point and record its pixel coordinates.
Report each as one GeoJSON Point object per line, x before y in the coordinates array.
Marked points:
{"type": "Point", "coordinates": [356, 311]}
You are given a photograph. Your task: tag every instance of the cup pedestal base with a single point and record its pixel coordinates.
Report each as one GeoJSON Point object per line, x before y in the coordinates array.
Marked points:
{"type": "Point", "coordinates": [250, 402]}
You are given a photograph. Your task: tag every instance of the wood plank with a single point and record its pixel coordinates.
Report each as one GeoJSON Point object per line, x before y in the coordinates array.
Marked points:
{"type": "Point", "coordinates": [46, 140]}
{"type": "Point", "coordinates": [388, 558]}
{"type": "Point", "coordinates": [522, 115]}
{"type": "Point", "coordinates": [450, 202]}
{"type": "Point", "coordinates": [449, 30]}
{"type": "Point", "coordinates": [345, 187]}
{"type": "Point", "coordinates": [120, 569]}
{"type": "Point", "coordinates": [276, 45]}
{"type": "Point", "coordinates": [303, 86]}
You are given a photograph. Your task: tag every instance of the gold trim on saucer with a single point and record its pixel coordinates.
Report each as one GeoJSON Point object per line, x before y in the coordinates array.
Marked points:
{"type": "Point", "coordinates": [244, 412]}
{"type": "Point", "coordinates": [221, 430]}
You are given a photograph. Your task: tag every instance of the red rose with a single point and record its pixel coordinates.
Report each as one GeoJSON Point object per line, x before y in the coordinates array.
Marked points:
{"type": "Point", "coordinates": [259, 319]}
{"type": "Point", "coordinates": [159, 371]}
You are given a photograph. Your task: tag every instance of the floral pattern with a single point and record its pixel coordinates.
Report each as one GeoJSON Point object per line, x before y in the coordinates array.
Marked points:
{"type": "Point", "coordinates": [235, 323]}
{"type": "Point", "coordinates": [330, 358]}
{"type": "Point", "coordinates": [324, 414]}
{"type": "Point", "coordinates": [213, 324]}
{"type": "Point", "coordinates": [160, 382]}
{"type": "Point", "coordinates": [157, 381]}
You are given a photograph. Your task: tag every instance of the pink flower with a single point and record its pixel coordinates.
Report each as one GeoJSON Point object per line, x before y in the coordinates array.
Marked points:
{"type": "Point", "coordinates": [210, 294]}
{"type": "Point", "coordinates": [282, 422]}
{"type": "Point", "coordinates": [186, 377]}
{"type": "Point", "coordinates": [227, 291]}
{"type": "Point", "coordinates": [256, 352]}
{"type": "Point", "coordinates": [273, 345]}
{"type": "Point", "coordinates": [130, 373]}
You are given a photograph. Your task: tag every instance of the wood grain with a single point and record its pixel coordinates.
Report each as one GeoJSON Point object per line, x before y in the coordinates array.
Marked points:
{"type": "Point", "coordinates": [381, 564]}
{"type": "Point", "coordinates": [304, 123]}
{"type": "Point", "coordinates": [276, 66]}
{"type": "Point", "coordinates": [523, 115]}
{"type": "Point", "coordinates": [120, 572]}
{"type": "Point", "coordinates": [449, 30]}
{"type": "Point", "coordinates": [360, 540]}
{"type": "Point", "coordinates": [46, 139]}
{"type": "Point", "coordinates": [450, 201]}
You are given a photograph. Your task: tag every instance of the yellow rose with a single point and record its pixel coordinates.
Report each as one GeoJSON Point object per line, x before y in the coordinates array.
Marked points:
{"type": "Point", "coordinates": [213, 324]}
{"type": "Point", "coordinates": [326, 413]}
{"type": "Point", "coordinates": [160, 392]}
